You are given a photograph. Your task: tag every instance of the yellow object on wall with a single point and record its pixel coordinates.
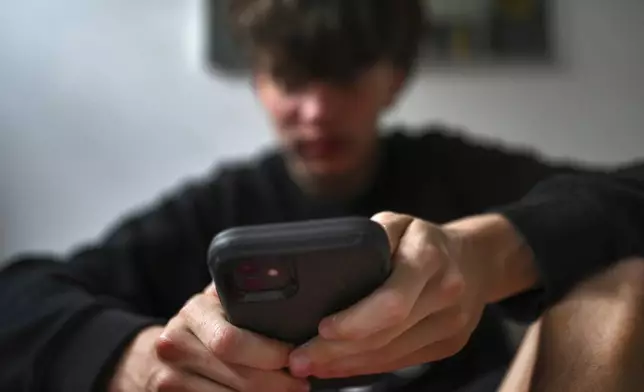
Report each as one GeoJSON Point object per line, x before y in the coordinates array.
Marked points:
{"type": "Point", "coordinates": [518, 10]}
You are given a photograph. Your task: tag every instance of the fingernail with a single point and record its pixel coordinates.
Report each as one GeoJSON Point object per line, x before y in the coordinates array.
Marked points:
{"type": "Point", "coordinates": [300, 365]}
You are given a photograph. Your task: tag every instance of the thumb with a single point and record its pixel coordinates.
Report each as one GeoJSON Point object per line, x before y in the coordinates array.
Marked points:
{"type": "Point", "coordinates": [395, 226]}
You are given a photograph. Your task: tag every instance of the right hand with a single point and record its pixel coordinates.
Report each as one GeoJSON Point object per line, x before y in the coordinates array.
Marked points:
{"type": "Point", "coordinates": [199, 351]}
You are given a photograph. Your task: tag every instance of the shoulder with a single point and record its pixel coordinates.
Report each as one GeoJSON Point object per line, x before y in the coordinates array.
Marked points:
{"type": "Point", "coordinates": [248, 171]}
{"type": "Point", "coordinates": [449, 142]}
{"type": "Point", "coordinates": [213, 198]}
{"type": "Point", "coordinates": [443, 135]}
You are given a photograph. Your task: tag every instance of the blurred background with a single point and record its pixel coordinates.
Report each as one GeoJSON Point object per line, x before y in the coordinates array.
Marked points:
{"type": "Point", "coordinates": [106, 103]}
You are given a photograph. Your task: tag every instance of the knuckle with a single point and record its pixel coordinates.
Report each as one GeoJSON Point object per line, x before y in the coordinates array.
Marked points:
{"type": "Point", "coordinates": [395, 306]}
{"type": "Point", "coordinates": [436, 251]}
{"type": "Point", "coordinates": [223, 341]}
{"type": "Point", "coordinates": [430, 257]}
{"type": "Point", "coordinates": [193, 306]}
{"type": "Point", "coordinates": [385, 216]}
{"type": "Point", "coordinates": [186, 311]}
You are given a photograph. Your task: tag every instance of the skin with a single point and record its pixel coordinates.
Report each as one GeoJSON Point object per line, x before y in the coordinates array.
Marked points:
{"type": "Point", "coordinates": [431, 304]}
{"type": "Point", "coordinates": [443, 276]}
{"type": "Point", "coordinates": [591, 341]}
{"type": "Point", "coordinates": [329, 132]}
{"type": "Point", "coordinates": [442, 279]}
{"type": "Point", "coordinates": [199, 351]}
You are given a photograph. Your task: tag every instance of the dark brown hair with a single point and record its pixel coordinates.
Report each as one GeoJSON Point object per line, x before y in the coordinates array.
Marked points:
{"type": "Point", "coordinates": [332, 40]}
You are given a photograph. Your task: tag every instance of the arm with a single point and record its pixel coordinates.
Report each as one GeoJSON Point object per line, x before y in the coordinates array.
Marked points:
{"type": "Point", "coordinates": [65, 325]}
{"type": "Point", "coordinates": [482, 175]}
{"type": "Point", "coordinates": [445, 275]}
{"type": "Point", "coordinates": [590, 340]}
{"type": "Point", "coordinates": [485, 177]}
{"type": "Point", "coordinates": [563, 231]}
{"type": "Point", "coordinates": [575, 226]}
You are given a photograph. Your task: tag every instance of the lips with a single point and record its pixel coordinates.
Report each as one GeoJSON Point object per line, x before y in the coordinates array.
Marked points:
{"type": "Point", "coordinates": [320, 148]}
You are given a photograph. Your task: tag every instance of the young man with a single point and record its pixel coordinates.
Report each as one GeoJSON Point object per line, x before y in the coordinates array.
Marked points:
{"type": "Point", "coordinates": [135, 312]}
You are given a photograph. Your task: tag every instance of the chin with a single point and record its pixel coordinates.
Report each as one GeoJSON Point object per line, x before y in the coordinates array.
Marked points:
{"type": "Point", "coordinates": [324, 168]}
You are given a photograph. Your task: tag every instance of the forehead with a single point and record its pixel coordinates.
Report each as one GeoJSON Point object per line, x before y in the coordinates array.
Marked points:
{"type": "Point", "coordinates": [370, 77]}
{"type": "Point", "coordinates": [298, 68]}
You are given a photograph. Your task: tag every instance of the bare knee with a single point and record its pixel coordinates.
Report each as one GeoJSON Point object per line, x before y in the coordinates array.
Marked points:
{"type": "Point", "coordinates": [608, 305]}
{"type": "Point", "coordinates": [613, 299]}
{"type": "Point", "coordinates": [627, 274]}
{"type": "Point", "coordinates": [595, 335]}
{"type": "Point", "coordinates": [592, 340]}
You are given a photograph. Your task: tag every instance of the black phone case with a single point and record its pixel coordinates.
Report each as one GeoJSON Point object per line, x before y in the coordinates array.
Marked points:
{"type": "Point", "coordinates": [338, 262]}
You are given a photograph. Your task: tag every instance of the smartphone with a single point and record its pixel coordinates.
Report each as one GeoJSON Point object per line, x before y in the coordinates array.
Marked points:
{"type": "Point", "coordinates": [280, 280]}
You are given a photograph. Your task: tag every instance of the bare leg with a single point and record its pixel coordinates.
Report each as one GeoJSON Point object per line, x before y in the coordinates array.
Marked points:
{"type": "Point", "coordinates": [593, 340]}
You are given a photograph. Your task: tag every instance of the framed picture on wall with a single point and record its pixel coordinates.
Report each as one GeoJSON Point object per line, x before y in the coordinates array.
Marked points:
{"type": "Point", "coordinates": [456, 33]}
{"type": "Point", "coordinates": [487, 31]}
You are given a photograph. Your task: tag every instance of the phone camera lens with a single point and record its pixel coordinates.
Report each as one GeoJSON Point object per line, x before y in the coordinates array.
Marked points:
{"type": "Point", "coordinates": [247, 269]}
{"type": "Point", "coordinates": [263, 275]}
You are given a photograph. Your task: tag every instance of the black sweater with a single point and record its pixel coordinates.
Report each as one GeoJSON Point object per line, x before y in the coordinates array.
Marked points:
{"type": "Point", "coordinates": [63, 325]}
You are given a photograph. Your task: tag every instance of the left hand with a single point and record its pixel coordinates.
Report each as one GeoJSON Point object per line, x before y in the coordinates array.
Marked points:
{"type": "Point", "coordinates": [424, 312]}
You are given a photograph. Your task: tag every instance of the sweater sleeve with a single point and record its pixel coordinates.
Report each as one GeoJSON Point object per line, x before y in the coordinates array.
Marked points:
{"type": "Point", "coordinates": [65, 321]}
{"type": "Point", "coordinates": [482, 175]}
{"type": "Point", "coordinates": [577, 225]}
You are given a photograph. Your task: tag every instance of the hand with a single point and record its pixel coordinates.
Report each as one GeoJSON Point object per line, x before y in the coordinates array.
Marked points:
{"type": "Point", "coordinates": [198, 351]}
{"type": "Point", "coordinates": [424, 312]}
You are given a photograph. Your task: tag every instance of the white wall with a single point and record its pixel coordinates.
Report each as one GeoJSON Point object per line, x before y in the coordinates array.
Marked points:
{"type": "Point", "coordinates": [102, 105]}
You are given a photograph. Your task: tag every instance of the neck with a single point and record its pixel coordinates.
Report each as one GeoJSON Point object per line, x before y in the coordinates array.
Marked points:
{"type": "Point", "coordinates": [338, 187]}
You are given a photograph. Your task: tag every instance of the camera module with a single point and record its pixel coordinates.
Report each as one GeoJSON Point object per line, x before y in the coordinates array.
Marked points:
{"type": "Point", "coordinates": [262, 275]}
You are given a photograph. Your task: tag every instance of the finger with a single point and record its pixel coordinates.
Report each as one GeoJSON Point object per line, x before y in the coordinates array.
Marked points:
{"type": "Point", "coordinates": [180, 348]}
{"type": "Point", "coordinates": [442, 292]}
{"type": "Point", "coordinates": [433, 298]}
{"type": "Point", "coordinates": [415, 262]}
{"type": "Point", "coordinates": [395, 226]}
{"type": "Point", "coordinates": [184, 351]}
{"type": "Point", "coordinates": [205, 319]}
{"type": "Point", "coordinates": [173, 380]}
{"type": "Point", "coordinates": [268, 381]}
{"type": "Point", "coordinates": [440, 326]}
{"type": "Point", "coordinates": [430, 353]}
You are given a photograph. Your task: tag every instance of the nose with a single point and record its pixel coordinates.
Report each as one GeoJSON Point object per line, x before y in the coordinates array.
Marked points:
{"type": "Point", "coordinates": [319, 104]}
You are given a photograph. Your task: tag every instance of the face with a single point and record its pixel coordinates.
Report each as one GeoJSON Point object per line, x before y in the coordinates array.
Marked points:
{"type": "Point", "coordinates": [329, 130]}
